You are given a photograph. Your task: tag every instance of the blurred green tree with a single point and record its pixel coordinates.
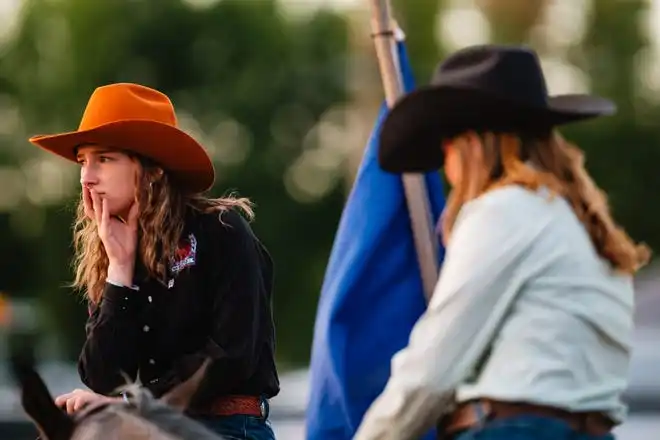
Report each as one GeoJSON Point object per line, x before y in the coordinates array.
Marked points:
{"type": "Point", "coordinates": [614, 55]}
{"type": "Point", "coordinates": [418, 20]}
{"type": "Point", "coordinates": [622, 151]}
{"type": "Point", "coordinates": [253, 83]}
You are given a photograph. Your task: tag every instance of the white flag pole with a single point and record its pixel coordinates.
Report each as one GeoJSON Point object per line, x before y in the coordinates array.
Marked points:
{"type": "Point", "coordinates": [385, 34]}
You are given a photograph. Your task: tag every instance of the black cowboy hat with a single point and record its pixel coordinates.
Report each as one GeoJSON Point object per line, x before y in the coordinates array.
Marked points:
{"type": "Point", "coordinates": [482, 88]}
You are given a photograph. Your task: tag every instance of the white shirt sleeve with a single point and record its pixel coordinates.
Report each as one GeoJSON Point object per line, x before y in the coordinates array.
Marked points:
{"type": "Point", "coordinates": [479, 280]}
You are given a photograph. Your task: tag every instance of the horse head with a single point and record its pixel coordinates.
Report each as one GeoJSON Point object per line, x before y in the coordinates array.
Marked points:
{"type": "Point", "coordinates": [53, 423]}
{"type": "Point", "coordinates": [143, 417]}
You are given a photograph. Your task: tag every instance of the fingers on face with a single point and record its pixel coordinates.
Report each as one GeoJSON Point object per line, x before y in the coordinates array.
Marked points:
{"type": "Point", "coordinates": [87, 202]}
{"type": "Point", "coordinates": [105, 213]}
{"type": "Point", "coordinates": [96, 204]}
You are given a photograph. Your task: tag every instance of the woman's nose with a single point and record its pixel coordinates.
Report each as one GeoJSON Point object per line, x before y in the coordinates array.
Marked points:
{"type": "Point", "coordinates": [88, 177]}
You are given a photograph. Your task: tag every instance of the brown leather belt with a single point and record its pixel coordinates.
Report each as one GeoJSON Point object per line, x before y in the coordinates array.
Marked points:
{"type": "Point", "coordinates": [236, 405]}
{"type": "Point", "coordinates": [471, 414]}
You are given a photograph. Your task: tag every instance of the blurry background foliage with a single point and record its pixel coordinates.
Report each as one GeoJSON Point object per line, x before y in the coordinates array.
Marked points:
{"type": "Point", "coordinates": [283, 94]}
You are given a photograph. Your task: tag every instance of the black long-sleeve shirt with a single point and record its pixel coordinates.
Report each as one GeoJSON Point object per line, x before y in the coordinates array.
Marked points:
{"type": "Point", "coordinates": [217, 304]}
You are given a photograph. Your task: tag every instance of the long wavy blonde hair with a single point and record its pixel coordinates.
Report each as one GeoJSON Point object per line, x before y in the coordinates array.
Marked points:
{"type": "Point", "coordinates": [556, 164]}
{"type": "Point", "coordinates": [163, 207]}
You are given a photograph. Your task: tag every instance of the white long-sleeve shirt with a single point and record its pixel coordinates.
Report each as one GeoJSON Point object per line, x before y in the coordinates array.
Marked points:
{"type": "Point", "coordinates": [524, 310]}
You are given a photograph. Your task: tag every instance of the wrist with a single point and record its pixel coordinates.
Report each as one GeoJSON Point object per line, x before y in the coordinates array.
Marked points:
{"type": "Point", "coordinates": [121, 274]}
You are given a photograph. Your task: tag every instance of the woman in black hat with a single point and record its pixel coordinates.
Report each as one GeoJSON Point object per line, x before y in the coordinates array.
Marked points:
{"type": "Point", "coordinates": [527, 335]}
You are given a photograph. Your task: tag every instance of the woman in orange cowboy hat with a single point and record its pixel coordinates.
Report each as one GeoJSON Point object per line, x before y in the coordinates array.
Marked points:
{"type": "Point", "coordinates": [178, 286]}
{"type": "Point", "coordinates": [527, 335]}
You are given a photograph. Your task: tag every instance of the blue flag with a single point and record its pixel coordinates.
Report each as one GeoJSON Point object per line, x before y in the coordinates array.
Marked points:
{"type": "Point", "coordinates": [372, 294]}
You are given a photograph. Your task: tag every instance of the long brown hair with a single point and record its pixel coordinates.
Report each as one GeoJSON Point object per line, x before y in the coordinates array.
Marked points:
{"type": "Point", "coordinates": [163, 207]}
{"type": "Point", "coordinates": [556, 164]}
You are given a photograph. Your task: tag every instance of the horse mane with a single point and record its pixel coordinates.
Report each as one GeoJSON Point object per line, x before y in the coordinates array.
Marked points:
{"type": "Point", "coordinates": [162, 415]}
{"type": "Point", "coordinates": [143, 411]}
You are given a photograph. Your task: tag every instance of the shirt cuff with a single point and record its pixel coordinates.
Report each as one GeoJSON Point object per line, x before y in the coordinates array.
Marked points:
{"type": "Point", "coordinates": [119, 300]}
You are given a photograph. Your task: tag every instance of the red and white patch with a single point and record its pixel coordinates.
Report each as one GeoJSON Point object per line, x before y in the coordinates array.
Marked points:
{"type": "Point", "coordinates": [185, 255]}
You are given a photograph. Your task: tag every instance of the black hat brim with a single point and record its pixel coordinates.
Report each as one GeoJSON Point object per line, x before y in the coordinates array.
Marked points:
{"type": "Point", "coordinates": [412, 133]}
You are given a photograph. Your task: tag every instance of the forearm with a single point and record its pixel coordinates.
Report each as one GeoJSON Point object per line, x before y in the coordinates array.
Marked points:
{"type": "Point", "coordinates": [110, 354]}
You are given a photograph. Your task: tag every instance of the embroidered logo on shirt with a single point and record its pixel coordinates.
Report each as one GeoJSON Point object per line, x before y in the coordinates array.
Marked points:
{"type": "Point", "coordinates": [185, 255]}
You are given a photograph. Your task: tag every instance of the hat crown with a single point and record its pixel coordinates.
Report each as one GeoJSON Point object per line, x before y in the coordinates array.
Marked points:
{"type": "Point", "coordinates": [127, 101]}
{"type": "Point", "coordinates": [511, 72]}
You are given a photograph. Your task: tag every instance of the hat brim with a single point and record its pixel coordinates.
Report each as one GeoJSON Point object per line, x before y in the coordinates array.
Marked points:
{"type": "Point", "coordinates": [411, 135]}
{"type": "Point", "coordinates": [172, 149]}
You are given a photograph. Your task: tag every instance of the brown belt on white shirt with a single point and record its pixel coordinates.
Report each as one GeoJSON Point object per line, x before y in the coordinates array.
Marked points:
{"type": "Point", "coordinates": [471, 414]}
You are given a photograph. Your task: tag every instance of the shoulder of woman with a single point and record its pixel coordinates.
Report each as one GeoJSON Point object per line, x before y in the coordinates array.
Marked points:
{"type": "Point", "coordinates": [231, 234]}
{"type": "Point", "coordinates": [513, 204]}
{"type": "Point", "coordinates": [509, 196]}
{"type": "Point", "coordinates": [227, 225]}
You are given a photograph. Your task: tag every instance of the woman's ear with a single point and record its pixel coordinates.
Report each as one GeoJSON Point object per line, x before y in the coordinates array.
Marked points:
{"type": "Point", "coordinates": [155, 175]}
{"type": "Point", "coordinates": [475, 145]}
{"type": "Point", "coordinates": [473, 141]}
{"type": "Point", "coordinates": [152, 175]}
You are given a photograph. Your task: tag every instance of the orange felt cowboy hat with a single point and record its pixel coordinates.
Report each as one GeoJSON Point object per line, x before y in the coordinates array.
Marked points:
{"type": "Point", "coordinates": [141, 120]}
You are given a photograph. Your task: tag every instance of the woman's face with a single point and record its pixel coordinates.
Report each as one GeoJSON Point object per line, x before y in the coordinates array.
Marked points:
{"type": "Point", "coordinates": [452, 166]}
{"type": "Point", "coordinates": [112, 174]}
{"type": "Point", "coordinates": [460, 151]}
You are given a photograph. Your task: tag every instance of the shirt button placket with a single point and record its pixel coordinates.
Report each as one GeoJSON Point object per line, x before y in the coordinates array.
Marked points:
{"type": "Point", "coordinates": [146, 329]}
